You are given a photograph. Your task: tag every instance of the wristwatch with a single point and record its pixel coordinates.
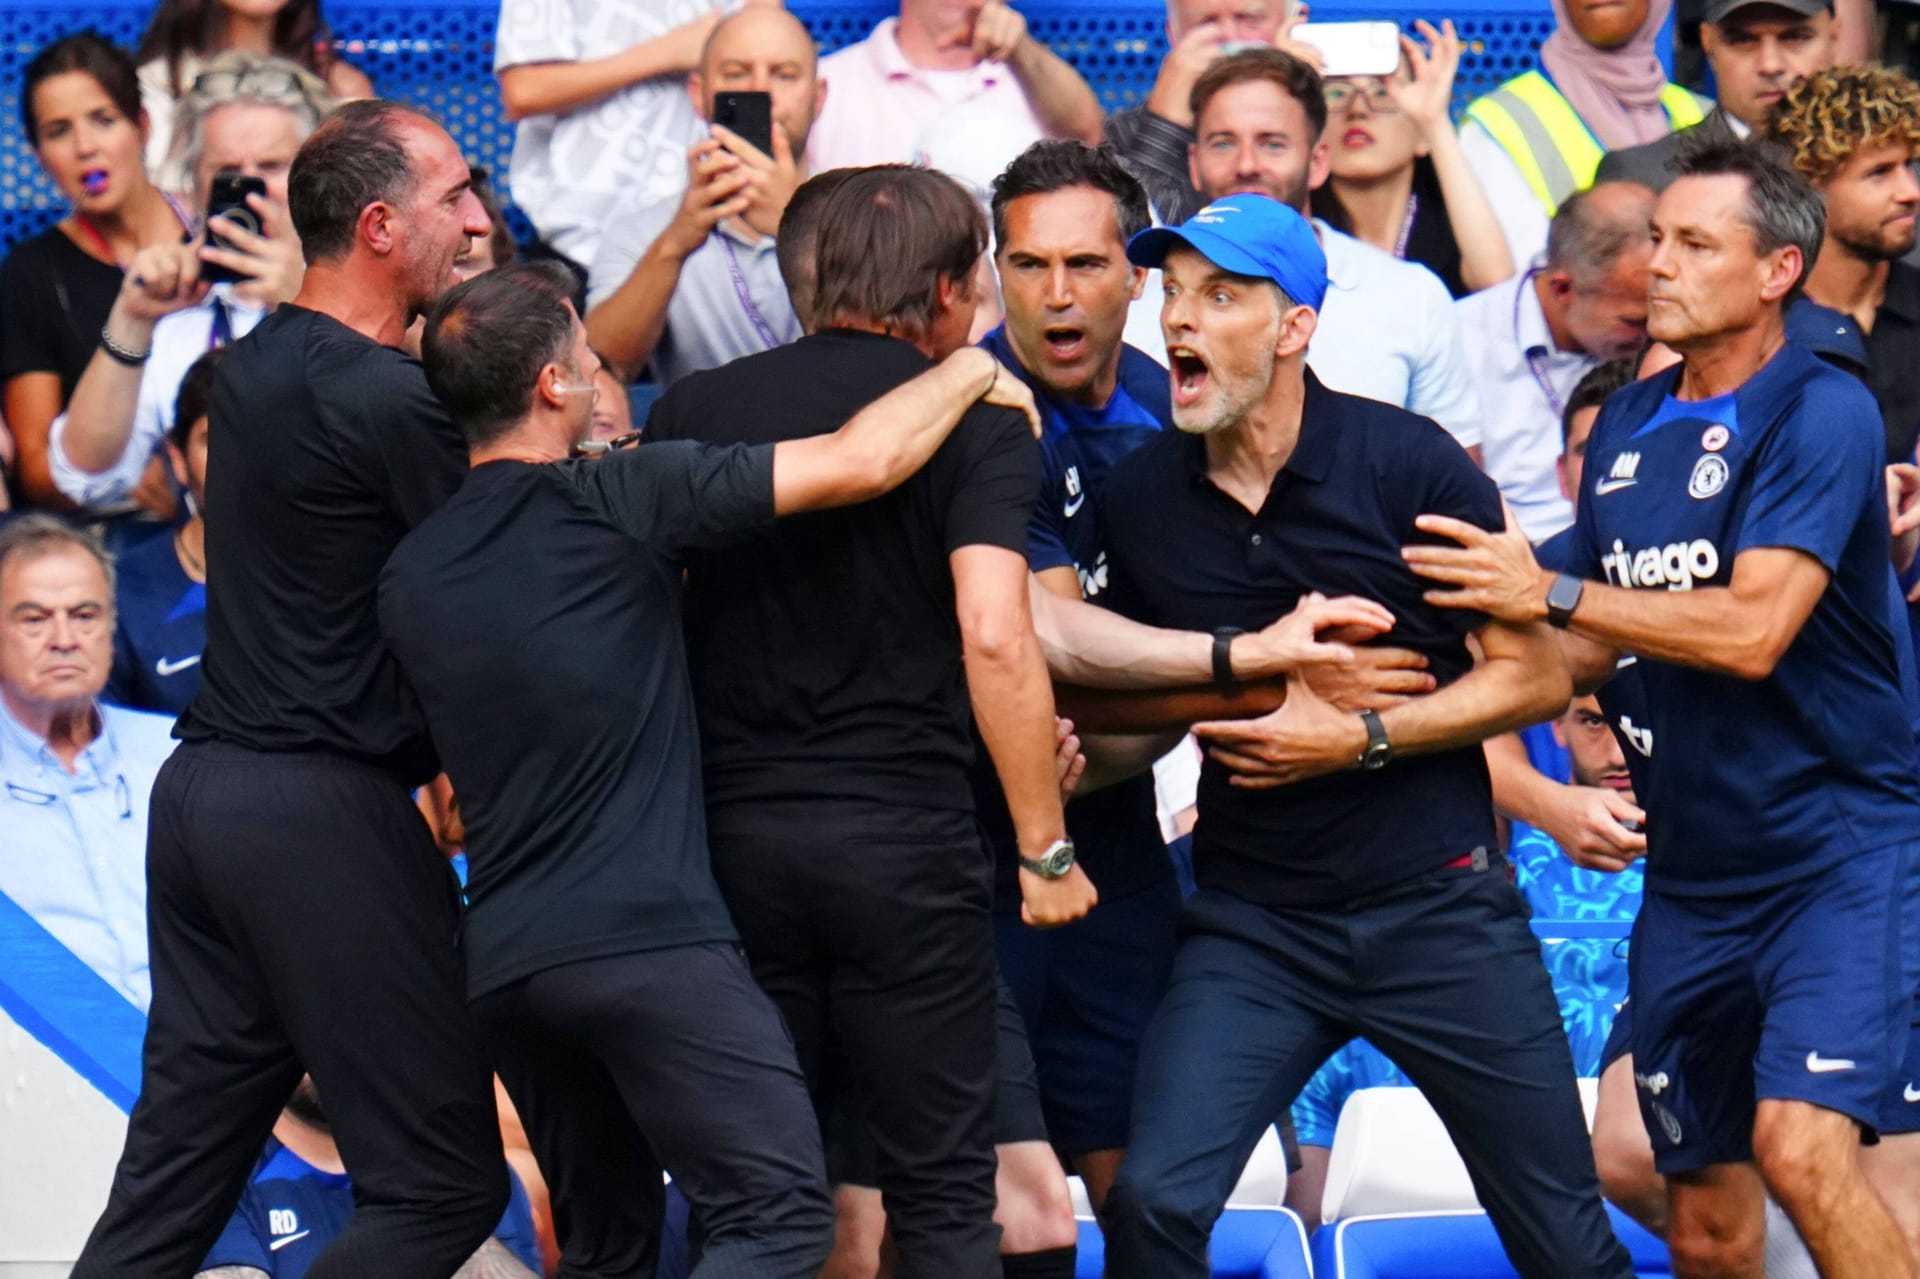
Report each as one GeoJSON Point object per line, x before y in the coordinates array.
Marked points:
{"type": "Point", "coordinates": [1562, 598]}
{"type": "Point", "coordinates": [1378, 750]}
{"type": "Point", "coordinates": [1223, 659]}
{"type": "Point", "coordinates": [1052, 864]}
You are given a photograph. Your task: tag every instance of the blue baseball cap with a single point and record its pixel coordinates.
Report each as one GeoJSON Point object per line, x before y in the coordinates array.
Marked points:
{"type": "Point", "coordinates": [1248, 235]}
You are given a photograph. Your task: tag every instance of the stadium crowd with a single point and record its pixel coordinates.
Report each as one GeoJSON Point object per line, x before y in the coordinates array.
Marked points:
{"type": "Point", "coordinates": [922, 639]}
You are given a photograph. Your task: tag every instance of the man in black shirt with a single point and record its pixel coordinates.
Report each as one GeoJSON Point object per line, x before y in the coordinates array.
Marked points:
{"type": "Point", "coordinates": [301, 919]}
{"type": "Point", "coordinates": [1366, 895]}
{"type": "Point", "coordinates": [601, 962]}
{"type": "Point", "coordinates": [833, 680]}
{"type": "Point", "coordinates": [1852, 132]}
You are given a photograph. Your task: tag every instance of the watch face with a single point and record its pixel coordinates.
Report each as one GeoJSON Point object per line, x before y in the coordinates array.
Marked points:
{"type": "Point", "coordinates": [1059, 861]}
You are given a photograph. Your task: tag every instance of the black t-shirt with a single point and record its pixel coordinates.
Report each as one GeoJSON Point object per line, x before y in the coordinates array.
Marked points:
{"type": "Point", "coordinates": [537, 615]}
{"type": "Point", "coordinates": [327, 447]}
{"type": "Point", "coordinates": [1893, 361]}
{"type": "Point", "coordinates": [53, 301]}
{"type": "Point", "coordinates": [825, 651]}
{"type": "Point", "coordinates": [1187, 556]}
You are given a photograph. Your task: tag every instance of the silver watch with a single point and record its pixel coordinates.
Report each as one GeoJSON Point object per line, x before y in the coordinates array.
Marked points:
{"type": "Point", "coordinates": [1052, 864]}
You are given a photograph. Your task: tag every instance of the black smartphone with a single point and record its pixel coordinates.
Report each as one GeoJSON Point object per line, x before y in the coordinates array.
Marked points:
{"type": "Point", "coordinates": [749, 113]}
{"type": "Point", "coordinates": [227, 198]}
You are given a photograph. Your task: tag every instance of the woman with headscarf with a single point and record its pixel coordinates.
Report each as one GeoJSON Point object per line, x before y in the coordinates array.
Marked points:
{"type": "Point", "coordinates": [1600, 86]}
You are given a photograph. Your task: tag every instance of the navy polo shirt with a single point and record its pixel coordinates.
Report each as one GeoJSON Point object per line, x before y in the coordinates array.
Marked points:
{"type": "Point", "coordinates": [1183, 554]}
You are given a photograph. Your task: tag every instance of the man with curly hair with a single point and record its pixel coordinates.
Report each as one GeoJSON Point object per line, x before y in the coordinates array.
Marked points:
{"type": "Point", "coordinates": [1854, 132]}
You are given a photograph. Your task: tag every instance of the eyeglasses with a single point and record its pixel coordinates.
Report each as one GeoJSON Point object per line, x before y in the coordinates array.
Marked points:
{"type": "Point", "coordinates": [597, 448]}
{"type": "Point", "coordinates": [1341, 95]}
{"type": "Point", "coordinates": [266, 83]}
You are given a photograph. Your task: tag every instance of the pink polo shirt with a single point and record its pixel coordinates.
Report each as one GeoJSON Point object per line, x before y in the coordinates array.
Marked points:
{"type": "Point", "coordinates": [880, 106]}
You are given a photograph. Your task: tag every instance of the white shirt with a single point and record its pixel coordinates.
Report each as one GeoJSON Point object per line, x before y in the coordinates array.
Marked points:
{"type": "Point", "coordinates": [567, 169]}
{"type": "Point", "coordinates": [156, 97]}
{"type": "Point", "coordinates": [881, 109]}
{"type": "Point", "coordinates": [73, 846]}
{"type": "Point", "coordinates": [1524, 382]}
{"type": "Point", "coordinates": [728, 302]}
{"type": "Point", "coordinates": [178, 340]}
{"type": "Point", "coordinates": [1387, 332]}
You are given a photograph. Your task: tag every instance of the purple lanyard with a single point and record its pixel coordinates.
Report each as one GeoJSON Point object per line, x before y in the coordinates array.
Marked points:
{"type": "Point", "coordinates": [1406, 227]}
{"type": "Point", "coordinates": [740, 291]}
{"type": "Point", "coordinates": [1536, 356]}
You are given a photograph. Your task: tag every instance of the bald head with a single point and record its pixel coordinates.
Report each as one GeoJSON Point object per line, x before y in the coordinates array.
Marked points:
{"type": "Point", "coordinates": [1595, 228]}
{"type": "Point", "coordinates": [758, 33]}
{"type": "Point", "coordinates": [1594, 290]}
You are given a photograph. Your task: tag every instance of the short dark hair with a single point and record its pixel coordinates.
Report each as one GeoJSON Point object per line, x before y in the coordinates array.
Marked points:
{"type": "Point", "coordinates": [355, 158]}
{"type": "Point", "coordinates": [1783, 208]}
{"type": "Point", "coordinates": [196, 392]}
{"type": "Point", "coordinates": [799, 236]}
{"type": "Point", "coordinates": [888, 235]}
{"type": "Point", "coordinates": [91, 54]}
{"type": "Point", "coordinates": [487, 340]}
{"type": "Point", "coordinates": [1297, 79]}
{"type": "Point", "coordinates": [1592, 390]}
{"type": "Point", "coordinates": [1058, 163]}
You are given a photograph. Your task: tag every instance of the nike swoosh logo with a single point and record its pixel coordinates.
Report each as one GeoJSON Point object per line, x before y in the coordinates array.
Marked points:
{"type": "Point", "coordinates": [278, 1244]}
{"type": "Point", "coordinates": [1910, 1094]}
{"type": "Point", "coordinates": [1826, 1065]}
{"type": "Point", "coordinates": [1605, 487]}
{"type": "Point", "coordinates": [164, 668]}
{"type": "Point", "coordinates": [1073, 507]}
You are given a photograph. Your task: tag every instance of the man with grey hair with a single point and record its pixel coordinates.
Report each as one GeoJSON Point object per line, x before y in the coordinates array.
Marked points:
{"type": "Point", "coordinates": [76, 772]}
{"type": "Point", "coordinates": [300, 918]}
{"type": "Point", "coordinates": [1732, 534]}
{"type": "Point", "coordinates": [1530, 339]}
{"type": "Point", "coordinates": [245, 115]}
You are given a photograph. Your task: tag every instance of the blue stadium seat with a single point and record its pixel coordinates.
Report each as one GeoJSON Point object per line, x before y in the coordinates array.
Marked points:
{"type": "Point", "coordinates": [439, 53]}
{"type": "Point", "coordinates": [1248, 1243]}
{"type": "Point", "coordinates": [1459, 1245]}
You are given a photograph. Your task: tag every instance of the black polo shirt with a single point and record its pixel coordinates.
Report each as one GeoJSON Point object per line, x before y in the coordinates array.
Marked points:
{"type": "Point", "coordinates": [1185, 555]}
{"type": "Point", "coordinates": [1893, 361]}
{"type": "Point", "coordinates": [327, 447]}
{"type": "Point", "coordinates": [538, 617]}
{"type": "Point", "coordinates": [825, 649]}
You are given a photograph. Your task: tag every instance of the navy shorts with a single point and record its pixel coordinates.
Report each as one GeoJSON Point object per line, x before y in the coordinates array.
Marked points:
{"type": "Point", "coordinates": [1803, 992]}
{"type": "Point", "coordinates": [1620, 1036]}
{"type": "Point", "coordinates": [1087, 992]}
{"type": "Point", "coordinates": [1900, 1104]}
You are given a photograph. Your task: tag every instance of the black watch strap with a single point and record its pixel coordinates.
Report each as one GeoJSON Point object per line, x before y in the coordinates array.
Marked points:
{"type": "Point", "coordinates": [1223, 659]}
{"type": "Point", "coordinates": [1378, 751]}
{"type": "Point", "coordinates": [1562, 598]}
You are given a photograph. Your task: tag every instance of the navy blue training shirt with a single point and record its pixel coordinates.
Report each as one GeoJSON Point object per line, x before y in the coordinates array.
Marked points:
{"type": "Point", "coordinates": [1115, 830]}
{"type": "Point", "coordinates": [160, 628]}
{"type": "Point", "coordinates": [1623, 699]}
{"type": "Point", "coordinates": [1759, 783]}
{"type": "Point", "coordinates": [1186, 555]}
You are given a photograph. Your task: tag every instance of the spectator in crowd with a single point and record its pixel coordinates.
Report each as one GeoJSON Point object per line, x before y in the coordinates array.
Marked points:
{"type": "Point", "coordinates": [77, 772]}
{"type": "Point", "coordinates": [560, 914]}
{"type": "Point", "coordinates": [692, 281]}
{"type": "Point", "coordinates": [828, 670]}
{"type": "Point", "coordinates": [245, 115]}
{"type": "Point", "coordinates": [1530, 340]}
{"type": "Point", "coordinates": [300, 1197]}
{"type": "Point", "coordinates": [1770, 945]}
{"type": "Point", "coordinates": [1539, 137]}
{"type": "Point", "coordinates": [330, 445]}
{"type": "Point", "coordinates": [161, 600]}
{"type": "Point", "coordinates": [971, 67]}
{"type": "Point", "coordinates": [185, 39]}
{"type": "Point", "coordinates": [1398, 179]}
{"type": "Point", "coordinates": [80, 103]}
{"type": "Point", "coordinates": [1155, 137]}
{"type": "Point", "coordinates": [1854, 133]}
{"type": "Point", "coordinates": [1758, 49]}
{"type": "Point", "coordinates": [599, 96]}
{"type": "Point", "coordinates": [1381, 829]}
{"type": "Point", "coordinates": [612, 407]}
{"type": "Point", "coordinates": [1387, 330]}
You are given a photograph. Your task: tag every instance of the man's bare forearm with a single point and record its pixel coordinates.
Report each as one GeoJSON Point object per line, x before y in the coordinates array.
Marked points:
{"type": "Point", "coordinates": [628, 324]}
{"type": "Point", "coordinates": [1133, 711]}
{"type": "Point", "coordinates": [1094, 647]}
{"type": "Point", "coordinates": [1064, 102]}
{"type": "Point", "coordinates": [100, 414]}
{"type": "Point", "coordinates": [1115, 757]}
{"type": "Point", "coordinates": [1521, 680]}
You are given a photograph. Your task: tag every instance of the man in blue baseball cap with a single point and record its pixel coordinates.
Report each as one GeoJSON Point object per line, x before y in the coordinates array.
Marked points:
{"type": "Point", "coordinates": [1350, 878]}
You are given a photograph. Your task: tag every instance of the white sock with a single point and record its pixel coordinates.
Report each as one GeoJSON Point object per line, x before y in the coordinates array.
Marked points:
{"type": "Point", "coordinates": [1786, 1256]}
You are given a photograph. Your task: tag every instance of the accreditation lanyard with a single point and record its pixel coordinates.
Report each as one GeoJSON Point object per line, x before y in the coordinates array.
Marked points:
{"type": "Point", "coordinates": [745, 295]}
{"type": "Point", "coordinates": [1536, 356]}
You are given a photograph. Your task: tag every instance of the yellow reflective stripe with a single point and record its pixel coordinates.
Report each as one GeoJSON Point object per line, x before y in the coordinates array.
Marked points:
{"type": "Point", "coordinates": [1684, 108]}
{"type": "Point", "coordinates": [1498, 120]}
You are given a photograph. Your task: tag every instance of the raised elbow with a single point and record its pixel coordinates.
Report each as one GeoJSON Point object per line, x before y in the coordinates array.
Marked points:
{"type": "Point", "coordinates": [1754, 661]}
{"type": "Point", "coordinates": [515, 97]}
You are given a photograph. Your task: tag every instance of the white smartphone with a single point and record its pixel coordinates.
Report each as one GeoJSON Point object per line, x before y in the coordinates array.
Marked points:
{"type": "Point", "coordinates": [1354, 48]}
